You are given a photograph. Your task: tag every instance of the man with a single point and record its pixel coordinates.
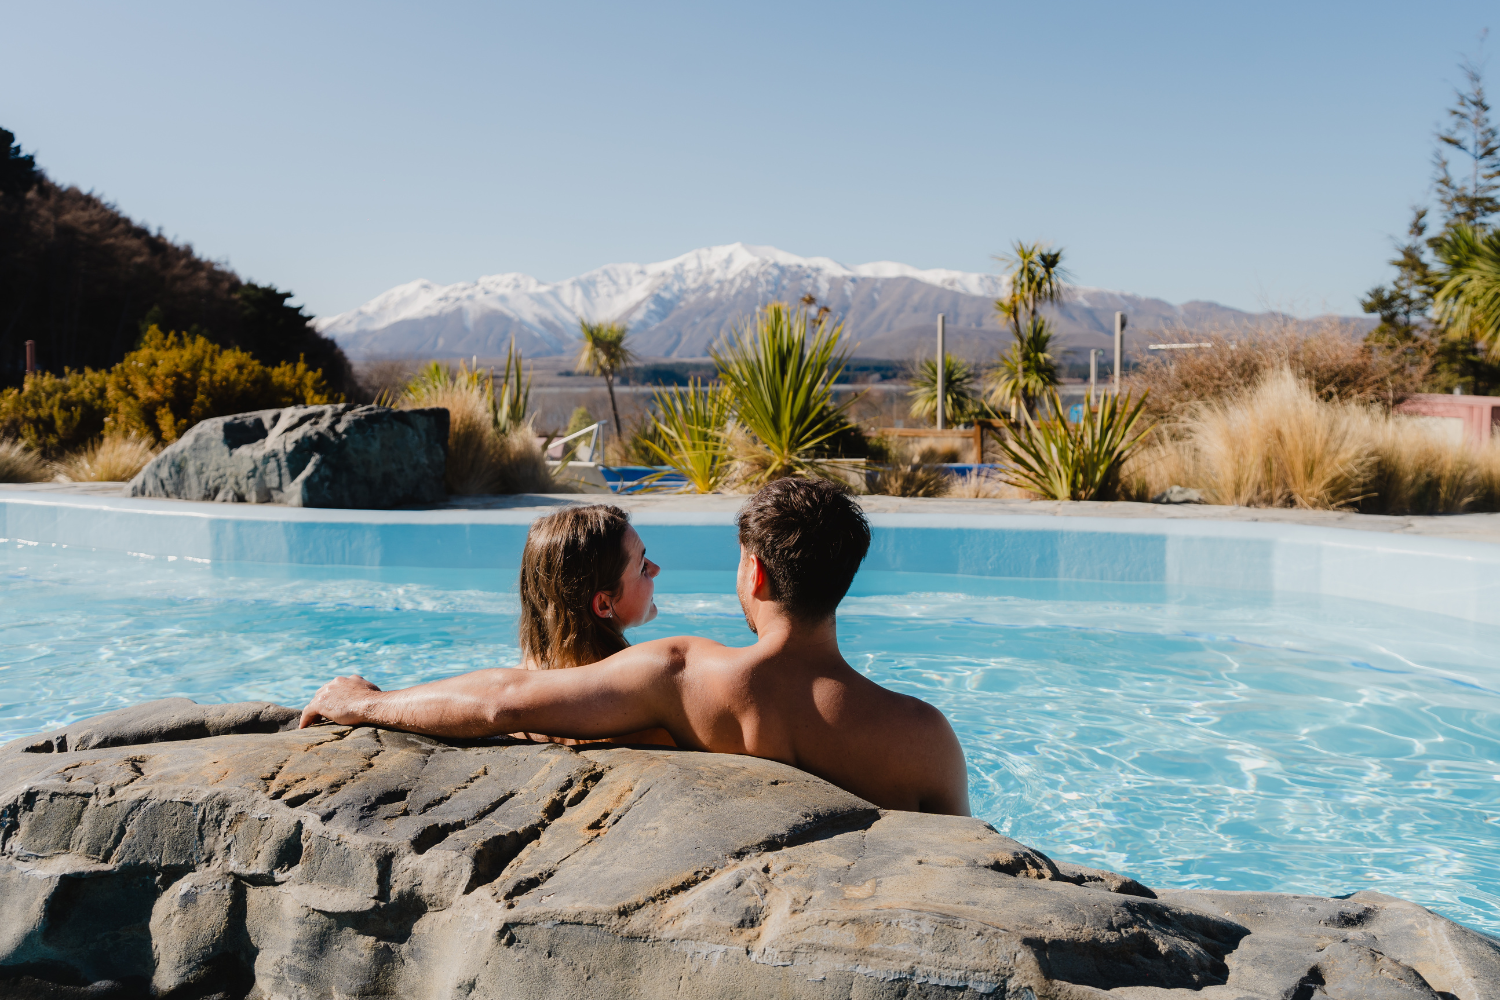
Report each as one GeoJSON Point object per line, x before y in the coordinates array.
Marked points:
{"type": "Point", "coordinates": [789, 697]}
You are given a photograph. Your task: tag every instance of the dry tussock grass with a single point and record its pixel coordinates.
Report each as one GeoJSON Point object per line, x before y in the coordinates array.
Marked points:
{"type": "Point", "coordinates": [19, 464]}
{"type": "Point", "coordinates": [1280, 445]}
{"type": "Point", "coordinates": [482, 459]}
{"type": "Point", "coordinates": [914, 476]}
{"type": "Point", "coordinates": [114, 458]}
{"type": "Point", "coordinates": [978, 485]}
{"type": "Point", "coordinates": [1329, 358]}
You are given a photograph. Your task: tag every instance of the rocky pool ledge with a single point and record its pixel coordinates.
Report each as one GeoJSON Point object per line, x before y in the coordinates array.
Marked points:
{"type": "Point", "coordinates": [179, 850]}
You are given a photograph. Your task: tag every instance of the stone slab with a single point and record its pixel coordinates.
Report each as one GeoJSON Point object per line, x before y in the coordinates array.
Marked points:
{"type": "Point", "coordinates": [350, 861]}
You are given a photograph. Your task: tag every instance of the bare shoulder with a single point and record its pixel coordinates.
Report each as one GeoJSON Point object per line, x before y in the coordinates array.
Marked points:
{"type": "Point", "coordinates": [927, 721]}
{"type": "Point", "coordinates": [934, 759]}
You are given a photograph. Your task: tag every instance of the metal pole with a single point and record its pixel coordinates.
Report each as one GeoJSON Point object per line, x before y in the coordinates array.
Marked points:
{"type": "Point", "coordinates": [1093, 371]}
{"type": "Point", "coordinates": [942, 357]}
{"type": "Point", "coordinates": [1119, 344]}
{"type": "Point", "coordinates": [30, 356]}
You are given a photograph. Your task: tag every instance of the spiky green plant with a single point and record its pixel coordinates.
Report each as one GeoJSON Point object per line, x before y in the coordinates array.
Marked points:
{"type": "Point", "coordinates": [960, 402]}
{"type": "Point", "coordinates": [780, 368]}
{"type": "Point", "coordinates": [1024, 372]}
{"type": "Point", "coordinates": [511, 392]}
{"type": "Point", "coordinates": [1082, 461]}
{"type": "Point", "coordinates": [689, 434]}
{"type": "Point", "coordinates": [1468, 303]}
{"type": "Point", "coordinates": [602, 351]}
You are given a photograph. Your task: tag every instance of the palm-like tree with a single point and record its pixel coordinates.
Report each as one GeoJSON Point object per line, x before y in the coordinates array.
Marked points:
{"type": "Point", "coordinates": [1468, 303]}
{"type": "Point", "coordinates": [1025, 372]}
{"type": "Point", "coordinates": [603, 351]}
{"type": "Point", "coordinates": [959, 398]}
{"type": "Point", "coordinates": [1037, 279]}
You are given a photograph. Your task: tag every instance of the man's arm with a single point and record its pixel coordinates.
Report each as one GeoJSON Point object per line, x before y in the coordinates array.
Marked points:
{"type": "Point", "coordinates": [635, 689]}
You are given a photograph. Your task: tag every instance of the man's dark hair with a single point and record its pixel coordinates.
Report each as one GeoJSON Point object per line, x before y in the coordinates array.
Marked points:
{"type": "Point", "coordinates": [810, 536]}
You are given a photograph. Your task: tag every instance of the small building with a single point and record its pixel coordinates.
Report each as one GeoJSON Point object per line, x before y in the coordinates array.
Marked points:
{"type": "Point", "coordinates": [1474, 419]}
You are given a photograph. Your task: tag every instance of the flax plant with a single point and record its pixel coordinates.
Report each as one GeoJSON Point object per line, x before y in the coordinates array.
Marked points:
{"type": "Point", "coordinates": [780, 368]}
{"type": "Point", "coordinates": [689, 436]}
{"type": "Point", "coordinates": [512, 394]}
{"type": "Point", "coordinates": [1063, 461]}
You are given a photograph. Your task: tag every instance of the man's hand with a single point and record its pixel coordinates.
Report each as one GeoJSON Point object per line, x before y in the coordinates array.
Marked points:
{"type": "Point", "coordinates": [342, 700]}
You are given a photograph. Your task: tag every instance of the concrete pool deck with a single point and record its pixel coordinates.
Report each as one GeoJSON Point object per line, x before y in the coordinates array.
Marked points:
{"type": "Point", "coordinates": [1461, 527]}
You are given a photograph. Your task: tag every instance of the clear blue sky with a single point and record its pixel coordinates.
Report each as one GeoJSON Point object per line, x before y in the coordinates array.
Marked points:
{"type": "Point", "coordinates": [1252, 154]}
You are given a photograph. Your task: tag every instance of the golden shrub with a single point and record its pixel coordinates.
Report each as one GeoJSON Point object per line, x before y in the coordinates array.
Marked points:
{"type": "Point", "coordinates": [173, 381]}
{"type": "Point", "coordinates": [53, 414]}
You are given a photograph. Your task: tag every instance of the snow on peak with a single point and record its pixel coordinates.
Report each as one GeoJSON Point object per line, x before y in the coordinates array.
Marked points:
{"type": "Point", "coordinates": [633, 293]}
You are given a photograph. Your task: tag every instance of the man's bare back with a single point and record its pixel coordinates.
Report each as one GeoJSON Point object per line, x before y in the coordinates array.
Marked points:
{"type": "Point", "coordinates": [789, 697]}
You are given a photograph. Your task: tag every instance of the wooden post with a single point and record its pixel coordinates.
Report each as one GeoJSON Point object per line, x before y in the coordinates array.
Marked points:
{"type": "Point", "coordinates": [30, 356]}
{"type": "Point", "coordinates": [978, 443]}
{"type": "Point", "coordinates": [1119, 347]}
{"type": "Point", "coordinates": [941, 372]}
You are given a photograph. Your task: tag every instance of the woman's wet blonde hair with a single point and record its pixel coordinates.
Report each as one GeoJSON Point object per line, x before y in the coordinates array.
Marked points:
{"type": "Point", "coordinates": [569, 557]}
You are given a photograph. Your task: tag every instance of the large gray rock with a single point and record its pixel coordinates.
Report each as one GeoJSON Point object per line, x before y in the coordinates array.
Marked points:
{"type": "Point", "coordinates": [338, 862]}
{"type": "Point", "coordinates": [342, 455]}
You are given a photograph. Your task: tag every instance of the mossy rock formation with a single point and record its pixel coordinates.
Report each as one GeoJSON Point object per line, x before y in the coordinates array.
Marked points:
{"type": "Point", "coordinates": [190, 851]}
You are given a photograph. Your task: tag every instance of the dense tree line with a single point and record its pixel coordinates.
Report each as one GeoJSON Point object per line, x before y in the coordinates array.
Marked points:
{"type": "Point", "coordinates": [85, 282]}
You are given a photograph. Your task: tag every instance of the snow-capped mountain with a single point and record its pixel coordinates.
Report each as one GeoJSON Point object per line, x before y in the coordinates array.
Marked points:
{"type": "Point", "coordinates": [679, 307]}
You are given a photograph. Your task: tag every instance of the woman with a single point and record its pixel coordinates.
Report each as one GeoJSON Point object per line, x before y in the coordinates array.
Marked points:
{"type": "Point", "coordinates": [585, 579]}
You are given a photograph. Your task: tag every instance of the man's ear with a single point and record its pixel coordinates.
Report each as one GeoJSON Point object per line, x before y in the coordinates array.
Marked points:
{"type": "Point", "coordinates": [760, 582]}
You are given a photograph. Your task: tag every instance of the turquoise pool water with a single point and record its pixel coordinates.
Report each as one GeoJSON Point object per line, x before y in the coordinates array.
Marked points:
{"type": "Point", "coordinates": [1185, 738]}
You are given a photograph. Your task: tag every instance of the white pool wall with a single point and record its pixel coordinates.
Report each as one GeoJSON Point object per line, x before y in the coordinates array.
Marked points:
{"type": "Point", "coordinates": [1442, 576]}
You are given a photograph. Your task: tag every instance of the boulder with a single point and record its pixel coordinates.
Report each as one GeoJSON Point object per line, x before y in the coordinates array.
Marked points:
{"type": "Point", "coordinates": [192, 851]}
{"type": "Point", "coordinates": [1178, 494]}
{"type": "Point", "coordinates": [342, 455]}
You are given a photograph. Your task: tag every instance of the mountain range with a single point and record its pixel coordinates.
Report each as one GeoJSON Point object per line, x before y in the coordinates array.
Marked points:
{"type": "Point", "coordinates": [678, 308]}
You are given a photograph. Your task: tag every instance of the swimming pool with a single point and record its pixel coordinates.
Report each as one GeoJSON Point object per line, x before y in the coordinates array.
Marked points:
{"type": "Point", "coordinates": [1190, 736]}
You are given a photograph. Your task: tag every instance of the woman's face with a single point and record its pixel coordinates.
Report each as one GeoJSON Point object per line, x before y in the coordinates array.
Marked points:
{"type": "Point", "coordinates": [633, 603]}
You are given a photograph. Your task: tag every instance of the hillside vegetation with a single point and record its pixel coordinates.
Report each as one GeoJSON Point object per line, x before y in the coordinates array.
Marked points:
{"type": "Point", "coordinates": [84, 281]}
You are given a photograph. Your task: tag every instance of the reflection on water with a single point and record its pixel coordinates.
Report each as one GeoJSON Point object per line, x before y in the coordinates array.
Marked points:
{"type": "Point", "coordinates": [1191, 740]}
